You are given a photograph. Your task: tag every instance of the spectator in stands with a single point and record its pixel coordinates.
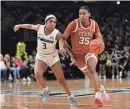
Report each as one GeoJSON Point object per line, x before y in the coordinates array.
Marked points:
{"type": "Point", "coordinates": [30, 64]}
{"type": "Point", "coordinates": [22, 65]}
{"type": "Point", "coordinates": [7, 63]}
{"type": "Point", "coordinates": [102, 65]}
{"type": "Point", "coordinates": [3, 69]}
{"type": "Point", "coordinates": [125, 66]}
{"type": "Point", "coordinates": [115, 62]}
{"type": "Point", "coordinates": [14, 69]}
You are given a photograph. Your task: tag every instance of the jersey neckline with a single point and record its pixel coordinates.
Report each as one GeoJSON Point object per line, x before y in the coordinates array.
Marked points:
{"type": "Point", "coordinates": [48, 34]}
{"type": "Point", "coordinates": [85, 27]}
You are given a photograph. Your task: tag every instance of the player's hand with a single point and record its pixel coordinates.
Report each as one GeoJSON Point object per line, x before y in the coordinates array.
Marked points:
{"type": "Point", "coordinates": [63, 52]}
{"type": "Point", "coordinates": [72, 61]}
{"type": "Point", "coordinates": [16, 28]}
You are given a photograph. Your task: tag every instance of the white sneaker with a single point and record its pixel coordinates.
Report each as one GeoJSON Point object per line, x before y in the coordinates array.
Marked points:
{"type": "Point", "coordinates": [120, 74]}
{"type": "Point", "coordinates": [23, 80]}
{"type": "Point", "coordinates": [46, 95]}
{"type": "Point", "coordinates": [29, 79]}
{"type": "Point", "coordinates": [117, 76]}
{"type": "Point", "coordinates": [72, 101]}
{"type": "Point", "coordinates": [105, 95]}
{"type": "Point", "coordinates": [113, 77]}
{"type": "Point", "coordinates": [104, 77]}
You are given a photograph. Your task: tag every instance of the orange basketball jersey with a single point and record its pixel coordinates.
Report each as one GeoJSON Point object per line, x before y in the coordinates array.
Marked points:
{"type": "Point", "coordinates": [81, 36]}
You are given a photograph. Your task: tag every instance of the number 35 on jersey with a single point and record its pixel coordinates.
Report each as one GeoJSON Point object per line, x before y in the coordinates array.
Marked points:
{"type": "Point", "coordinates": [84, 40]}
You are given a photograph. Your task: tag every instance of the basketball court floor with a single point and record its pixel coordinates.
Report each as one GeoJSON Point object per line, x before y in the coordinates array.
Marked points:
{"type": "Point", "coordinates": [25, 95]}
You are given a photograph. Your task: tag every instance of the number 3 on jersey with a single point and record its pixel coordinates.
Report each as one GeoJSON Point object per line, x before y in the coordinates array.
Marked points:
{"type": "Point", "coordinates": [44, 45]}
{"type": "Point", "coordinates": [84, 40]}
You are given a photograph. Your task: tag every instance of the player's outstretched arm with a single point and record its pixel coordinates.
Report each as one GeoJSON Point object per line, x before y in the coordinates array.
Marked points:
{"type": "Point", "coordinates": [61, 43]}
{"type": "Point", "coordinates": [69, 51]}
{"type": "Point", "coordinates": [64, 47]}
{"type": "Point", "coordinates": [70, 28]}
{"type": "Point", "coordinates": [26, 26]}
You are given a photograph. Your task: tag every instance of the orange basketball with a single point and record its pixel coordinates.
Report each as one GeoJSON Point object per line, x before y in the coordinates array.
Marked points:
{"type": "Point", "coordinates": [96, 46]}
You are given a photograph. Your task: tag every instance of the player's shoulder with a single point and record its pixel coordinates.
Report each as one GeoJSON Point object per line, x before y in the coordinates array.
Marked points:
{"type": "Point", "coordinates": [56, 30]}
{"type": "Point", "coordinates": [93, 20]}
{"type": "Point", "coordinates": [40, 25]}
{"type": "Point", "coordinates": [76, 20]}
{"type": "Point", "coordinates": [73, 23]}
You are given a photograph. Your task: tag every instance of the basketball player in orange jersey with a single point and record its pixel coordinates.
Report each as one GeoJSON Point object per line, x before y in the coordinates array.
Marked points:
{"type": "Point", "coordinates": [47, 55]}
{"type": "Point", "coordinates": [82, 31]}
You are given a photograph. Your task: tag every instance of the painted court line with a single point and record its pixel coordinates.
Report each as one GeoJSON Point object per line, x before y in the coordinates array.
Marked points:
{"type": "Point", "coordinates": [15, 106]}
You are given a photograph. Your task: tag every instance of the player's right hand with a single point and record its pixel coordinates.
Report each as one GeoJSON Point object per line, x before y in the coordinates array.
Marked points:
{"type": "Point", "coordinates": [16, 28]}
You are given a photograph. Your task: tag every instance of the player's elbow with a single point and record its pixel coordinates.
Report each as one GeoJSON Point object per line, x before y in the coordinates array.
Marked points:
{"type": "Point", "coordinates": [30, 26]}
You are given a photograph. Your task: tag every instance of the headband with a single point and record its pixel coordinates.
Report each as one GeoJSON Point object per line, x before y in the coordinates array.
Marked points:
{"type": "Point", "coordinates": [49, 16]}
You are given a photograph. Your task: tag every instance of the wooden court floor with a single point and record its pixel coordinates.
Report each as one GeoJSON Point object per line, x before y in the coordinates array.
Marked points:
{"type": "Point", "coordinates": [24, 95]}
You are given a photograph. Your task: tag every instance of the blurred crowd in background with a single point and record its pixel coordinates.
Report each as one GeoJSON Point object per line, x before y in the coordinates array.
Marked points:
{"type": "Point", "coordinates": [114, 22]}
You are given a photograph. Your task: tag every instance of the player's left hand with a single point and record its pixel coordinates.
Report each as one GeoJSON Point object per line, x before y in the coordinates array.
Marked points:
{"type": "Point", "coordinates": [63, 52]}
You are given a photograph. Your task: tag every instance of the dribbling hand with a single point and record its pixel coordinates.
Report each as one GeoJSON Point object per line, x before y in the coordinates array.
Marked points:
{"type": "Point", "coordinates": [16, 28]}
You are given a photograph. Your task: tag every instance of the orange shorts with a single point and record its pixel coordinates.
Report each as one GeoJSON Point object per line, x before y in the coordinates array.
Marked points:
{"type": "Point", "coordinates": [81, 61]}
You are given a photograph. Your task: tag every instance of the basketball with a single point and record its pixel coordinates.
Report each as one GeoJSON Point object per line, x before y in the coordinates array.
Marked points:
{"type": "Point", "coordinates": [96, 46]}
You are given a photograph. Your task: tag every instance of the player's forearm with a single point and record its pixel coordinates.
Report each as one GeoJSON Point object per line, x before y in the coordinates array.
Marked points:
{"type": "Point", "coordinates": [70, 53]}
{"type": "Point", "coordinates": [26, 26]}
{"type": "Point", "coordinates": [61, 43]}
{"type": "Point", "coordinates": [101, 38]}
{"type": "Point", "coordinates": [68, 49]}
